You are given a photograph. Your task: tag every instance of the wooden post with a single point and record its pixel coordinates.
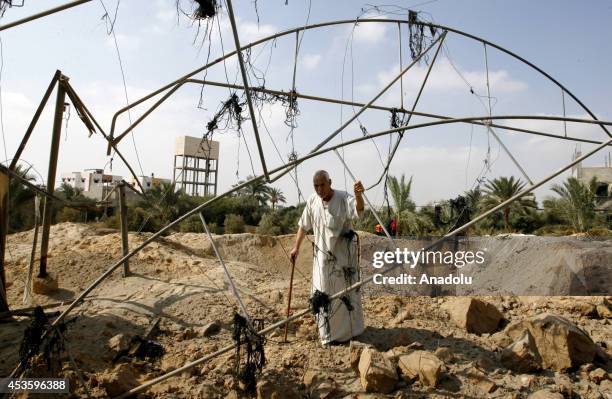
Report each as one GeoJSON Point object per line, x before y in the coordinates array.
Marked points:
{"type": "Point", "coordinates": [124, 227]}
{"type": "Point", "coordinates": [55, 142]}
{"type": "Point", "coordinates": [4, 187]}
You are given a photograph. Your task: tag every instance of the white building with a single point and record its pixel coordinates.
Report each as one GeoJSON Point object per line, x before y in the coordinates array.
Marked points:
{"type": "Point", "coordinates": [92, 182]}
{"type": "Point", "coordinates": [148, 182]}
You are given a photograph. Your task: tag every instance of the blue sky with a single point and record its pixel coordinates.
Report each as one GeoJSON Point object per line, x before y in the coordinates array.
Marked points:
{"type": "Point", "coordinates": [568, 39]}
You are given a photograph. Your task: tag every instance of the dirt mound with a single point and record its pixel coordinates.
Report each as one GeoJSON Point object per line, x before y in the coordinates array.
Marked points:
{"type": "Point", "coordinates": [178, 280]}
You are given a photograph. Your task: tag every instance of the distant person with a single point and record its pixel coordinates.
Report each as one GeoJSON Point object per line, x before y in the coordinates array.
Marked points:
{"type": "Point", "coordinates": [335, 267]}
{"type": "Point", "coordinates": [378, 229]}
{"type": "Point", "coordinates": [393, 227]}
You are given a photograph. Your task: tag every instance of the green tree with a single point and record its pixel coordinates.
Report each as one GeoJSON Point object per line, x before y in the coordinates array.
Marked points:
{"type": "Point", "coordinates": [20, 203]}
{"type": "Point", "coordinates": [501, 189]}
{"type": "Point", "coordinates": [256, 190]}
{"type": "Point", "coordinates": [276, 196]}
{"type": "Point", "coordinates": [403, 206]}
{"type": "Point", "coordinates": [577, 203]}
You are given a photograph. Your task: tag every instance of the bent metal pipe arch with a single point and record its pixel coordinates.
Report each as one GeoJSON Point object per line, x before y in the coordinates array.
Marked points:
{"type": "Point", "coordinates": [344, 22]}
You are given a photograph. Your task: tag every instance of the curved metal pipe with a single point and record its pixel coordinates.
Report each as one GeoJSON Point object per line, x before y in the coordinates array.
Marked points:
{"type": "Point", "coordinates": [352, 21]}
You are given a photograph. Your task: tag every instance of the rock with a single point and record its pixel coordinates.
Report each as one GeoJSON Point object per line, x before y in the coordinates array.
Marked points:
{"type": "Point", "coordinates": [526, 381]}
{"type": "Point", "coordinates": [598, 375]}
{"type": "Point", "coordinates": [325, 390]}
{"type": "Point", "coordinates": [585, 309]}
{"type": "Point", "coordinates": [606, 386]}
{"type": "Point", "coordinates": [564, 385]}
{"type": "Point", "coordinates": [604, 312]}
{"type": "Point", "coordinates": [118, 343]}
{"type": "Point", "coordinates": [355, 350]}
{"type": "Point", "coordinates": [522, 356]}
{"type": "Point", "coordinates": [501, 339]}
{"type": "Point", "coordinates": [444, 354]}
{"type": "Point", "coordinates": [422, 365]}
{"type": "Point", "coordinates": [122, 378]}
{"type": "Point", "coordinates": [400, 317]}
{"type": "Point", "coordinates": [267, 389]}
{"type": "Point", "coordinates": [560, 343]}
{"type": "Point", "coordinates": [545, 394]}
{"type": "Point", "coordinates": [376, 372]}
{"type": "Point", "coordinates": [484, 362]}
{"type": "Point", "coordinates": [473, 315]}
{"type": "Point", "coordinates": [209, 329]}
{"type": "Point", "coordinates": [480, 380]}
{"type": "Point", "coordinates": [44, 285]}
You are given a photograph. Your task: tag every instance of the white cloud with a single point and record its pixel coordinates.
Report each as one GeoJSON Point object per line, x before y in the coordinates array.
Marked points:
{"type": "Point", "coordinates": [251, 31]}
{"type": "Point", "coordinates": [369, 32]}
{"type": "Point", "coordinates": [14, 99]}
{"type": "Point", "coordinates": [444, 77]}
{"type": "Point", "coordinates": [311, 61]}
{"type": "Point", "coordinates": [125, 42]}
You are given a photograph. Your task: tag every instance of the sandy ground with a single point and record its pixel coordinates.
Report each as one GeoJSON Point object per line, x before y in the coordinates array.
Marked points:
{"type": "Point", "coordinates": [179, 279]}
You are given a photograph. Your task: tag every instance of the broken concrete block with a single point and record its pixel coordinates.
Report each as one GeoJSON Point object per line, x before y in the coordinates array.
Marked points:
{"type": "Point", "coordinates": [560, 343]}
{"type": "Point", "coordinates": [422, 365]}
{"type": "Point", "coordinates": [522, 356]}
{"type": "Point", "coordinates": [473, 315]}
{"type": "Point", "coordinates": [376, 372]}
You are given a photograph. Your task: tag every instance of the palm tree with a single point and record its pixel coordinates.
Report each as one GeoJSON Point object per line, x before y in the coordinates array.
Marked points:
{"type": "Point", "coordinates": [257, 190]}
{"type": "Point", "coordinates": [19, 204]}
{"type": "Point", "coordinates": [577, 202]}
{"type": "Point", "coordinates": [403, 205]}
{"type": "Point", "coordinates": [164, 201]}
{"type": "Point", "coordinates": [276, 196]}
{"type": "Point", "coordinates": [501, 189]}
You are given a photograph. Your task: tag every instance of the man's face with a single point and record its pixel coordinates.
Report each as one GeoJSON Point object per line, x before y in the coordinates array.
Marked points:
{"type": "Point", "coordinates": [322, 186]}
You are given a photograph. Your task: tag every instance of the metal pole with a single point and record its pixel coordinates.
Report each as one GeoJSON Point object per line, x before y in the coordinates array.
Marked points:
{"type": "Point", "coordinates": [377, 96]}
{"type": "Point", "coordinates": [335, 101]}
{"type": "Point", "coordinates": [43, 14]}
{"type": "Point", "coordinates": [414, 104]}
{"type": "Point", "coordinates": [247, 93]}
{"type": "Point", "coordinates": [75, 98]}
{"type": "Point", "coordinates": [365, 197]}
{"type": "Point", "coordinates": [124, 227]}
{"type": "Point", "coordinates": [39, 111]}
{"type": "Point", "coordinates": [28, 285]}
{"type": "Point", "coordinates": [343, 22]}
{"type": "Point", "coordinates": [55, 142]}
{"type": "Point", "coordinates": [507, 151]}
{"type": "Point", "coordinates": [227, 274]}
{"type": "Point", "coordinates": [4, 196]}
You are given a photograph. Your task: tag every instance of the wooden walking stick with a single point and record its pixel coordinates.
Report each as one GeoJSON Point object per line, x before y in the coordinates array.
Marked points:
{"type": "Point", "coordinates": [289, 299]}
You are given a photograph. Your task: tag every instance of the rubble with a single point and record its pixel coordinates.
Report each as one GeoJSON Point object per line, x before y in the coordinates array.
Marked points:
{"type": "Point", "coordinates": [376, 372]}
{"type": "Point", "coordinates": [421, 365]}
{"type": "Point", "coordinates": [560, 343]}
{"type": "Point", "coordinates": [474, 315]}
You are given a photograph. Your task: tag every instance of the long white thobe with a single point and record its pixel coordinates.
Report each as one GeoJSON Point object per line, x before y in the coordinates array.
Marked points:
{"type": "Point", "coordinates": [335, 264]}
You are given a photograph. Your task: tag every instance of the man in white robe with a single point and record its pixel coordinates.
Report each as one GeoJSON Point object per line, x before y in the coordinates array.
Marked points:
{"type": "Point", "coordinates": [329, 214]}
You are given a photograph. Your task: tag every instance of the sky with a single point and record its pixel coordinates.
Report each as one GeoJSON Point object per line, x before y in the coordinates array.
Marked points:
{"type": "Point", "coordinates": [570, 40]}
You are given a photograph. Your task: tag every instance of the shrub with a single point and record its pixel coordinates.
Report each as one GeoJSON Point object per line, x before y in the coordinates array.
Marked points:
{"type": "Point", "coordinates": [234, 224]}
{"type": "Point", "coordinates": [70, 215]}
{"type": "Point", "coordinates": [270, 224]}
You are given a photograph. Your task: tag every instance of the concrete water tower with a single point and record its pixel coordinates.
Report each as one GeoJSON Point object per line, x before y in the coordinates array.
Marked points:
{"type": "Point", "coordinates": [196, 165]}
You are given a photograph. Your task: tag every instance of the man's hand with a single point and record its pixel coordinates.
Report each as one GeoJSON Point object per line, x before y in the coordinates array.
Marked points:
{"type": "Point", "coordinates": [294, 254]}
{"type": "Point", "coordinates": [358, 188]}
